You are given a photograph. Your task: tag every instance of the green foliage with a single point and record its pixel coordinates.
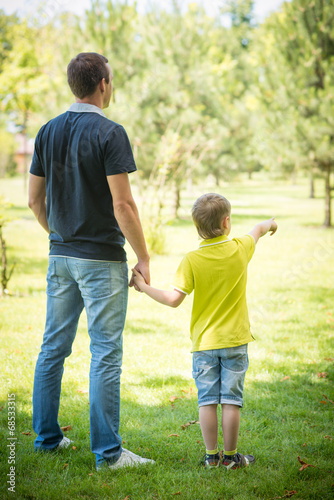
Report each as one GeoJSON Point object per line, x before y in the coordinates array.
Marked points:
{"type": "Point", "coordinates": [299, 87]}
{"type": "Point", "coordinates": [111, 27]}
{"type": "Point", "coordinates": [7, 149]}
{"type": "Point", "coordinates": [240, 12]}
{"type": "Point", "coordinates": [197, 97]}
{"type": "Point", "coordinates": [6, 41]}
{"type": "Point", "coordinates": [154, 231]}
{"type": "Point", "coordinates": [22, 79]}
{"type": "Point", "coordinates": [6, 270]}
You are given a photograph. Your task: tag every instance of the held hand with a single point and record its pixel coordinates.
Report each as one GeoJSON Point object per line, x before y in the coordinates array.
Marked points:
{"type": "Point", "coordinates": [144, 269]}
{"type": "Point", "coordinates": [138, 280]}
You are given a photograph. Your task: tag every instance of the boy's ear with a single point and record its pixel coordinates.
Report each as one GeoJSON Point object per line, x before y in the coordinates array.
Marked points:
{"type": "Point", "coordinates": [225, 220]}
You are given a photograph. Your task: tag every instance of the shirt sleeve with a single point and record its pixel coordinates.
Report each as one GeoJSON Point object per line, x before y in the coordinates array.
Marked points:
{"type": "Point", "coordinates": [248, 244]}
{"type": "Point", "coordinates": [118, 156]}
{"type": "Point", "coordinates": [184, 277]}
{"type": "Point", "coordinates": [36, 167]}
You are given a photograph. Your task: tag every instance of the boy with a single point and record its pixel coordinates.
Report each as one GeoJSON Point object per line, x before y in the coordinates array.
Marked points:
{"type": "Point", "coordinates": [220, 331]}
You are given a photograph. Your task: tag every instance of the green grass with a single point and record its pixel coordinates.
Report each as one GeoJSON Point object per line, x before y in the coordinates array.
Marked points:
{"type": "Point", "coordinates": [289, 392]}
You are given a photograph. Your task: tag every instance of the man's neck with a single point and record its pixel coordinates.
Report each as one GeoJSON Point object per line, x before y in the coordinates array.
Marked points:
{"type": "Point", "coordinates": [93, 100]}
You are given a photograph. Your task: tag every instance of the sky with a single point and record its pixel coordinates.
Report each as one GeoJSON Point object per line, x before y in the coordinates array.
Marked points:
{"type": "Point", "coordinates": [261, 7]}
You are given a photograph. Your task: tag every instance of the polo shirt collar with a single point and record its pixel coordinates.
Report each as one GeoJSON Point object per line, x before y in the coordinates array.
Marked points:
{"type": "Point", "coordinates": [83, 107]}
{"type": "Point", "coordinates": [214, 241]}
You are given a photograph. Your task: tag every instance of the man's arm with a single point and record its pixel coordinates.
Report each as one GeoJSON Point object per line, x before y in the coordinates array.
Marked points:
{"type": "Point", "coordinates": [37, 199]}
{"type": "Point", "coordinates": [262, 228]}
{"type": "Point", "coordinates": [126, 213]}
{"type": "Point", "coordinates": [172, 298]}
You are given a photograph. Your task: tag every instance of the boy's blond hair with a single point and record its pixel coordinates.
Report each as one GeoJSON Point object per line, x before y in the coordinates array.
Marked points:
{"type": "Point", "coordinates": [208, 212]}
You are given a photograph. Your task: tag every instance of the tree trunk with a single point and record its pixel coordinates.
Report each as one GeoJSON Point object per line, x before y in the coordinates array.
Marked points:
{"type": "Point", "coordinates": [25, 163]}
{"type": "Point", "coordinates": [3, 263]}
{"type": "Point", "coordinates": [5, 273]}
{"type": "Point", "coordinates": [312, 184]}
{"type": "Point", "coordinates": [176, 201]}
{"type": "Point", "coordinates": [294, 178]}
{"type": "Point", "coordinates": [189, 182]}
{"type": "Point", "coordinates": [328, 197]}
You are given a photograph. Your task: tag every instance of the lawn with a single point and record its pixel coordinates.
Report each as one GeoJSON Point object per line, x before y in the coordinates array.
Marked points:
{"type": "Point", "coordinates": [289, 394]}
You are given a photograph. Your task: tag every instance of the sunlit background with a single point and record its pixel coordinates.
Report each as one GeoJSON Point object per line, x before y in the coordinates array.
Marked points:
{"type": "Point", "coordinates": [261, 7]}
{"type": "Point", "coordinates": [232, 96]}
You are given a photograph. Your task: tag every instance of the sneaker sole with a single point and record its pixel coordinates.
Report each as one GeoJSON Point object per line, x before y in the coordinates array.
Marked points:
{"type": "Point", "coordinates": [232, 464]}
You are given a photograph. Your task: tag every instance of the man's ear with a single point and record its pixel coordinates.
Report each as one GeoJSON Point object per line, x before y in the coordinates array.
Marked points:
{"type": "Point", "coordinates": [102, 85]}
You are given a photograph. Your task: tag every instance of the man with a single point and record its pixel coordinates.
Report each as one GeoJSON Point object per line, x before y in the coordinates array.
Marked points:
{"type": "Point", "coordinates": [80, 194]}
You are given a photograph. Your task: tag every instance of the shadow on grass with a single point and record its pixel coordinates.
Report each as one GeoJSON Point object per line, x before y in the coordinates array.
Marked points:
{"type": "Point", "coordinates": [281, 421]}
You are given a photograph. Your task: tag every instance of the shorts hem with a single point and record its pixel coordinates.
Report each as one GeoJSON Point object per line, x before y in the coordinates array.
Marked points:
{"type": "Point", "coordinates": [224, 401]}
{"type": "Point", "coordinates": [235, 402]}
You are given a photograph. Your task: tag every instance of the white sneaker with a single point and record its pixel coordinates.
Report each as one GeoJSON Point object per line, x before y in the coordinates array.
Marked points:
{"type": "Point", "coordinates": [129, 459]}
{"type": "Point", "coordinates": [64, 443]}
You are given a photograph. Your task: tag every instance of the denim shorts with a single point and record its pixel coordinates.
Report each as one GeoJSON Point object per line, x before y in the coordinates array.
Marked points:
{"type": "Point", "coordinates": [219, 375]}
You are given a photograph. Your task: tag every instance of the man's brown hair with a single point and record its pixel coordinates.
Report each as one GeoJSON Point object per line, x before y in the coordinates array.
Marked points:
{"type": "Point", "coordinates": [208, 212]}
{"type": "Point", "coordinates": [84, 73]}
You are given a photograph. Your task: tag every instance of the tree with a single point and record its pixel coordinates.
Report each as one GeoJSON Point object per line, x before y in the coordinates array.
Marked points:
{"type": "Point", "coordinates": [110, 28]}
{"type": "Point", "coordinates": [297, 54]}
{"type": "Point", "coordinates": [6, 26]}
{"type": "Point", "coordinates": [168, 99]}
{"type": "Point", "coordinates": [23, 81]}
{"type": "Point", "coordinates": [6, 271]}
{"type": "Point", "coordinates": [235, 108]}
{"type": "Point", "coordinates": [7, 150]}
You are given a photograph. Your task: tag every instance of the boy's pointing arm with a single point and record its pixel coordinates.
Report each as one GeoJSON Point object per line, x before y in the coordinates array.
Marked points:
{"type": "Point", "coordinates": [262, 228]}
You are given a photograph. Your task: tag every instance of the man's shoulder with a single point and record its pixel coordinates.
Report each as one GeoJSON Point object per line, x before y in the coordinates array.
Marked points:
{"type": "Point", "coordinates": [99, 120]}
{"type": "Point", "coordinates": [110, 124]}
{"type": "Point", "coordinates": [52, 122]}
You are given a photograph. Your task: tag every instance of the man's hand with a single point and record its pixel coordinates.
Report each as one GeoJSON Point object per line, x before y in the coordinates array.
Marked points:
{"type": "Point", "coordinates": [142, 272]}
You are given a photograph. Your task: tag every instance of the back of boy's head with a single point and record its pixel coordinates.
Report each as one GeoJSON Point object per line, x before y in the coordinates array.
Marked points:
{"type": "Point", "coordinates": [208, 212]}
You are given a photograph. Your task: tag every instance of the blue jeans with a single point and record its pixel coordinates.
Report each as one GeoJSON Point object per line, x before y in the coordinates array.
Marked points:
{"type": "Point", "coordinates": [220, 374]}
{"type": "Point", "coordinates": [102, 288]}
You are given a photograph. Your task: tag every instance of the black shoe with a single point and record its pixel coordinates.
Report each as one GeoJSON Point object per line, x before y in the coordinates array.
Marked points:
{"type": "Point", "coordinates": [238, 461]}
{"type": "Point", "coordinates": [211, 460]}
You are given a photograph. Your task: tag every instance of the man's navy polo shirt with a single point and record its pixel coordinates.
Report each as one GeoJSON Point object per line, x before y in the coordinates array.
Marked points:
{"type": "Point", "coordinates": [75, 152]}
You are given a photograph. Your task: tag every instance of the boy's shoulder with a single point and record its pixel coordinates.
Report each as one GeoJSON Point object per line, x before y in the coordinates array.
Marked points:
{"type": "Point", "coordinates": [245, 238]}
{"type": "Point", "coordinates": [245, 243]}
{"type": "Point", "coordinates": [218, 242]}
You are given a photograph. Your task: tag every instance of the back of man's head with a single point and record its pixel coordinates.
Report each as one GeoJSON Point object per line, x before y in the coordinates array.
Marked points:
{"type": "Point", "coordinates": [84, 73]}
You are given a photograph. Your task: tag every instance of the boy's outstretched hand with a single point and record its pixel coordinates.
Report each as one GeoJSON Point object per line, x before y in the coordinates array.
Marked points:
{"type": "Point", "coordinates": [263, 228]}
{"type": "Point", "coordinates": [273, 227]}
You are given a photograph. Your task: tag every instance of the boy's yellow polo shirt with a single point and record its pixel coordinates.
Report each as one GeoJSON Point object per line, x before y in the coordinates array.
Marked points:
{"type": "Point", "coordinates": [217, 272]}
